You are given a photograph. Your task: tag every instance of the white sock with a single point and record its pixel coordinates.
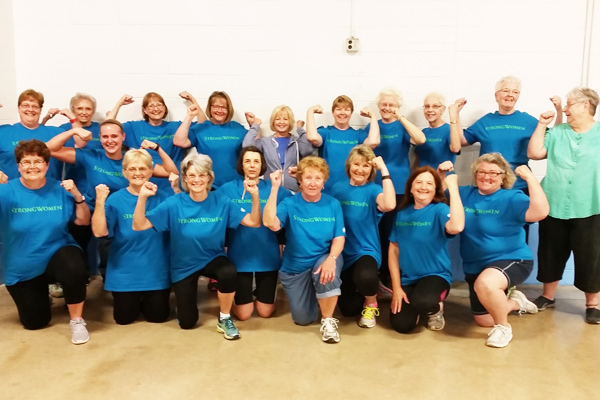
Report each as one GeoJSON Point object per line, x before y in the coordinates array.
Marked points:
{"type": "Point", "coordinates": [223, 316]}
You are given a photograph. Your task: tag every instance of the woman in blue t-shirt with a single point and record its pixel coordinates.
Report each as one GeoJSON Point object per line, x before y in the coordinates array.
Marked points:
{"type": "Point", "coordinates": [493, 247]}
{"type": "Point", "coordinates": [35, 212]}
{"type": "Point", "coordinates": [419, 262]}
{"type": "Point", "coordinates": [137, 272]}
{"type": "Point", "coordinates": [311, 266]}
{"type": "Point", "coordinates": [363, 203]}
{"type": "Point", "coordinates": [197, 221]}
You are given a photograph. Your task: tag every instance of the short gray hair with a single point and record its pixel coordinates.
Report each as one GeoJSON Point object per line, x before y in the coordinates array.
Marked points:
{"type": "Point", "coordinates": [581, 93]}
{"type": "Point", "coordinates": [390, 91]}
{"type": "Point", "coordinates": [508, 79]}
{"type": "Point", "coordinates": [83, 96]}
{"type": "Point", "coordinates": [202, 163]}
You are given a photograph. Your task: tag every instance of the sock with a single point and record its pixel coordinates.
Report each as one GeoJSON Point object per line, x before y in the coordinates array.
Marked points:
{"type": "Point", "coordinates": [372, 305]}
{"type": "Point", "coordinates": [223, 316]}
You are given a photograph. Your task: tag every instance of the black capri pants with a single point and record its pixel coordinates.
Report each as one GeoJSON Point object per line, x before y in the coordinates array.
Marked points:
{"type": "Point", "coordinates": [358, 280]}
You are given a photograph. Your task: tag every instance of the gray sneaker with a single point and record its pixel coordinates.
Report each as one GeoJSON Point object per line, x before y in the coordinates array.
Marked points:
{"type": "Point", "coordinates": [436, 322]}
{"type": "Point", "coordinates": [525, 306]}
{"type": "Point", "coordinates": [55, 290]}
{"type": "Point", "coordinates": [79, 332]}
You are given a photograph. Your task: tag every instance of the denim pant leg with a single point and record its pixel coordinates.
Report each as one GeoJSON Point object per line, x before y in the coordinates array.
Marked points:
{"type": "Point", "coordinates": [301, 295]}
{"type": "Point", "coordinates": [332, 288]}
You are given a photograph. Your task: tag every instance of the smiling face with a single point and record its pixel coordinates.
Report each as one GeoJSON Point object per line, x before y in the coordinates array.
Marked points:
{"type": "Point", "coordinates": [251, 164]}
{"type": "Point", "coordinates": [312, 183]}
{"type": "Point", "coordinates": [32, 168]}
{"type": "Point", "coordinates": [29, 112]}
{"type": "Point", "coordinates": [489, 178]}
{"type": "Point", "coordinates": [507, 97]}
{"type": "Point", "coordinates": [219, 110]}
{"type": "Point", "coordinates": [360, 170]}
{"type": "Point", "coordinates": [196, 181]}
{"type": "Point", "coordinates": [387, 105]}
{"type": "Point", "coordinates": [575, 110]}
{"type": "Point", "coordinates": [137, 173]}
{"type": "Point", "coordinates": [433, 109]}
{"type": "Point", "coordinates": [155, 110]}
{"type": "Point", "coordinates": [282, 124]}
{"type": "Point", "coordinates": [341, 115]}
{"type": "Point", "coordinates": [111, 139]}
{"type": "Point", "coordinates": [423, 189]}
{"type": "Point", "coordinates": [84, 110]}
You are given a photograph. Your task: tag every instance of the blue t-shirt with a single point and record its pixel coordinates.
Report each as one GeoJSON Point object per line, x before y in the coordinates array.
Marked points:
{"type": "Point", "coordinates": [335, 149]}
{"type": "Point", "coordinates": [222, 143]}
{"type": "Point", "coordinates": [78, 174]}
{"type": "Point", "coordinates": [11, 135]}
{"type": "Point", "coordinates": [423, 242]}
{"type": "Point", "coordinates": [493, 228]}
{"type": "Point", "coordinates": [100, 169]}
{"type": "Point", "coordinates": [33, 227]}
{"type": "Point", "coordinates": [138, 260]}
{"type": "Point", "coordinates": [282, 145]}
{"type": "Point", "coordinates": [361, 218]}
{"type": "Point", "coordinates": [310, 228]}
{"type": "Point", "coordinates": [196, 229]}
{"type": "Point", "coordinates": [394, 148]}
{"type": "Point", "coordinates": [506, 134]}
{"type": "Point", "coordinates": [243, 242]}
{"type": "Point", "coordinates": [436, 148]}
{"type": "Point", "coordinates": [138, 131]}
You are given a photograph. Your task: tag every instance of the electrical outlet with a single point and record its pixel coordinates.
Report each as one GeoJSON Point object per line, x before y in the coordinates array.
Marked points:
{"type": "Point", "coordinates": [352, 45]}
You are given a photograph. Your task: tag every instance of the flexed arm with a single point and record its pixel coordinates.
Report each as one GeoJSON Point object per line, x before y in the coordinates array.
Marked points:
{"type": "Point", "coordinates": [270, 219]}
{"type": "Point", "coordinates": [538, 202]}
{"type": "Point", "coordinates": [82, 211]}
{"type": "Point", "coordinates": [140, 222]}
{"type": "Point", "coordinates": [456, 223]}
{"type": "Point", "coordinates": [386, 201]}
{"type": "Point", "coordinates": [312, 135]}
{"type": "Point", "coordinates": [536, 149]}
{"type": "Point", "coordinates": [99, 225]}
{"type": "Point", "coordinates": [66, 154]}
{"type": "Point", "coordinates": [201, 117]}
{"type": "Point", "coordinates": [124, 100]}
{"type": "Point", "coordinates": [457, 138]}
{"type": "Point", "coordinates": [181, 138]}
{"type": "Point", "coordinates": [416, 135]}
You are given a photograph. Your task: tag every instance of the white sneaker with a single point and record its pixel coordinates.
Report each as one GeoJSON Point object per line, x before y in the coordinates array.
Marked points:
{"type": "Point", "coordinates": [499, 336]}
{"type": "Point", "coordinates": [384, 293]}
{"type": "Point", "coordinates": [55, 290]}
{"type": "Point", "coordinates": [367, 317]}
{"type": "Point", "coordinates": [525, 306]}
{"type": "Point", "coordinates": [436, 322]}
{"type": "Point", "coordinates": [79, 332]}
{"type": "Point", "coordinates": [329, 330]}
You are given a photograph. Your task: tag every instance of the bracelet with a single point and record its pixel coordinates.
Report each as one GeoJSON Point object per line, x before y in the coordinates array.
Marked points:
{"type": "Point", "coordinates": [386, 177]}
{"type": "Point", "coordinates": [452, 122]}
{"type": "Point", "coordinates": [73, 120]}
{"type": "Point", "coordinates": [157, 147]}
{"type": "Point", "coordinates": [334, 257]}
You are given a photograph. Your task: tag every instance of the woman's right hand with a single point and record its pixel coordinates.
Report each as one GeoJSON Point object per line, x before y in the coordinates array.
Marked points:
{"type": "Point", "coordinates": [546, 117]}
{"type": "Point", "coordinates": [126, 99]}
{"type": "Point", "coordinates": [84, 134]}
{"type": "Point", "coordinates": [148, 189]}
{"type": "Point", "coordinates": [3, 178]}
{"type": "Point", "coordinates": [451, 181]}
{"type": "Point", "coordinates": [102, 192]}
{"type": "Point", "coordinates": [51, 113]}
{"type": "Point", "coordinates": [445, 167]}
{"type": "Point", "coordinates": [193, 110]}
{"type": "Point", "coordinates": [316, 109]}
{"type": "Point", "coordinates": [276, 178]}
{"type": "Point", "coordinates": [397, 297]}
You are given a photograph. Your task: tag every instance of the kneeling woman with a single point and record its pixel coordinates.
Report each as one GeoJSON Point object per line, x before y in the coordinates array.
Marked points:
{"type": "Point", "coordinates": [197, 221]}
{"type": "Point", "coordinates": [418, 256]}
{"type": "Point", "coordinates": [363, 204]}
{"type": "Point", "coordinates": [35, 212]}
{"type": "Point", "coordinates": [311, 267]}
{"type": "Point", "coordinates": [260, 266]}
{"type": "Point", "coordinates": [493, 247]}
{"type": "Point", "coordinates": [137, 272]}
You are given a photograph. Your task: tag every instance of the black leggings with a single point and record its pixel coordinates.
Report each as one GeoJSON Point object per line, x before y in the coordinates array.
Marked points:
{"type": "Point", "coordinates": [359, 280]}
{"type": "Point", "coordinates": [186, 290]}
{"type": "Point", "coordinates": [424, 296]}
{"type": "Point", "coordinates": [67, 267]}
{"type": "Point", "coordinates": [152, 304]}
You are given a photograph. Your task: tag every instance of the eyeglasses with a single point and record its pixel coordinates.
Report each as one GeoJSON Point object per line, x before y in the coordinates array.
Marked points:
{"type": "Point", "coordinates": [218, 107]}
{"type": "Point", "coordinates": [572, 104]}
{"type": "Point", "coordinates": [192, 177]}
{"type": "Point", "coordinates": [27, 106]}
{"type": "Point", "coordinates": [155, 106]}
{"type": "Point", "coordinates": [433, 106]}
{"type": "Point", "coordinates": [491, 174]}
{"type": "Point", "coordinates": [509, 91]}
{"type": "Point", "coordinates": [133, 170]}
{"type": "Point", "coordinates": [37, 163]}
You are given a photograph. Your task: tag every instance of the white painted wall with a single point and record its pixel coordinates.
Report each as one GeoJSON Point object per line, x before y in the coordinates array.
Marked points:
{"type": "Point", "coordinates": [267, 52]}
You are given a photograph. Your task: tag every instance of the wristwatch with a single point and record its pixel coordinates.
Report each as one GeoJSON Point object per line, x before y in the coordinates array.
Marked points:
{"type": "Point", "coordinates": [82, 200]}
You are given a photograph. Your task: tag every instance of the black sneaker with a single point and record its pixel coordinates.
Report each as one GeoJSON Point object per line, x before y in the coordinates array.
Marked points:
{"type": "Point", "coordinates": [542, 303]}
{"type": "Point", "coordinates": [592, 316]}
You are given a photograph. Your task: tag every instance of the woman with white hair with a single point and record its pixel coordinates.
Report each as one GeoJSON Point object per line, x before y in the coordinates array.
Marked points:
{"type": "Point", "coordinates": [197, 221]}
{"type": "Point", "coordinates": [573, 190]}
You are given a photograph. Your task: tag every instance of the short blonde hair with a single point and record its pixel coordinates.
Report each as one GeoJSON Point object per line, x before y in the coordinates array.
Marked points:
{"type": "Point", "coordinates": [362, 151]}
{"type": "Point", "coordinates": [312, 162]}
{"type": "Point", "coordinates": [135, 155]}
{"type": "Point", "coordinates": [508, 79]}
{"type": "Point", "coordinates": [581, 93]}
{"type": "Point", "coordinates": [437, 95]}
{"type": "Point", "coordinates": [390, 91]}
{"type": "Point", "coordinates": [202, 163]}
{"type": "Point", "coordinates": [282, 109]}
{"type": "Point", "coordinates": [495, 158]}
{"type": "Point", "coordinates": [342, 101]}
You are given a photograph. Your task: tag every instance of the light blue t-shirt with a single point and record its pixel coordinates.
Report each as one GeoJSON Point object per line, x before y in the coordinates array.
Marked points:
{"type": "Point", "coordinates": [436, 148]}
{"type": "Point", "coordinates": [196, 229]}
{"type": "Point", "coordinates": [493, 228]}
{"type": "Point", "coordinates": [11, 135]}
{"type": "Point", "coordinates": [138, 260]}
{"type": "Point", "coordinates": [222, 143]}
{"type": "Point", "coordinates": [310, 228]}
{"type": "Point", "coordinates": [361, 218]}
{"type": "Point", "coordinates": [335, 149]}
{"type": "Point", "coordinates": [100, 169]}
{"type": "Point", "coordinates": [252, 249]}
{"type": "Point", "coordinates": [33, 227]}
{"type": "Point", "coordinates": [78, 174]}
{"type": "Point", "coordinates": [394, 148]}
{"type": "Point", "coordinates": [423, 242]}
{"type": "Point", "coordinates": [506, 134]}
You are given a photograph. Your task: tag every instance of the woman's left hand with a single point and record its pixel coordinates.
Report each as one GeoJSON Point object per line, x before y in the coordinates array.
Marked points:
{"type": "Point", "coordinates": [3, 178]}
{"type": "Point", "coordinates": [70, 187]}
{"type": "Point", "coordinates": [327, 270]}
{"type": "Point", "coordinates": [557, 102]}
{"type": "Point", "coordinates": [377, 163]}
{"type": "Point", "coordinates": [250, 186]}
{"type": "Point", "coordinates": [146, 144]}
{"type": "Point", "coordinates": [523, 172]}
{"type": "Point", "coordinates": [365, 112]}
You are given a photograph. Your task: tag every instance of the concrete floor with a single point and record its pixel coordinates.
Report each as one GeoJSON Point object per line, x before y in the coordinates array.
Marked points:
{"type": "Point", "coordinates": [554, 355]}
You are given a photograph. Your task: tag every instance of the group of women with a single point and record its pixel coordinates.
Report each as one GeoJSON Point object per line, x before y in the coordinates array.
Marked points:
{"type": "Point", "coordinates": [342, 225]}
